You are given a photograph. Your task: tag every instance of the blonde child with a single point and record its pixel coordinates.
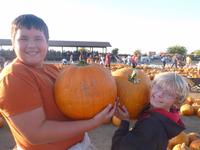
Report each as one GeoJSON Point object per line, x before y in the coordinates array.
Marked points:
{"type": "Point", "coordinates": [159, 122]}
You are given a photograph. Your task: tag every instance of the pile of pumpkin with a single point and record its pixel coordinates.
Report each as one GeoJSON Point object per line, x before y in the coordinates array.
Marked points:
{"type": "Point", "coordinates": [186, 72]}
{"type": "Point", "coordinates": [190, 107]}
{"type": "Point", "coordinates": [190, 140]}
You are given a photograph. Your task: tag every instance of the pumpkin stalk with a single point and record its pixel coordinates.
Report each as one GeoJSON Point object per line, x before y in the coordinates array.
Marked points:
{"type": "Point", "coordinates": [82, 63]}
{"type": "Point", "coordinates": [133, 77]}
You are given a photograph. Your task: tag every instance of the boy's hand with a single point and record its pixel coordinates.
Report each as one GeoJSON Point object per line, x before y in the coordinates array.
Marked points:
{"type": "Point", "coordinates": [105, 115]}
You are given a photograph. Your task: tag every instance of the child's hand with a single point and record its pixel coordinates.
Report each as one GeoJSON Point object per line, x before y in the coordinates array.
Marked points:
{"type": "Point", "coordinates": [122, 113]}
{"type": "Point", "coordinates": [105, 115]}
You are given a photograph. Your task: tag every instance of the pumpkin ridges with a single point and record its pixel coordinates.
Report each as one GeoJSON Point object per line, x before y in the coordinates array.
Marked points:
{"type": "Point", "coordinates": [84, 89]}
{"type": "Point", "coordinates": [133, 95]}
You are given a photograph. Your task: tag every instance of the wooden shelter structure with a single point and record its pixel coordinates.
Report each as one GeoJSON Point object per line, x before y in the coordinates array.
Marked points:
{"type": "Point", "coordinates": [62, 44]}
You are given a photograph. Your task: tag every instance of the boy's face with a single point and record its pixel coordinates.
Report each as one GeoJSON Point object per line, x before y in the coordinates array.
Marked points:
{"type": "Point", "coordinates": [161, 98]}
{"type": "Point", "coordinates": [30, 46]}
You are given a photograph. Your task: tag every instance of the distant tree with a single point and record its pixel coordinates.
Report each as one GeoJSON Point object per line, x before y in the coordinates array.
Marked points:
{"type": "Point", "coordinates": [115, 51]}
{"type": "Point", "coordinates": [177, 49]}
{"type": "Point", "coordinates": [196, 52]}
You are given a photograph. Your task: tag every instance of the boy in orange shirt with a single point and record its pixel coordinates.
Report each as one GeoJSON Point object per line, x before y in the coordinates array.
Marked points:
{"type": "Point", "coordinates": [27, 98]}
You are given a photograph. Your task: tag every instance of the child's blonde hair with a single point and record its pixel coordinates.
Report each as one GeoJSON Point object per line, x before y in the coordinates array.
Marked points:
{"type": "Point", "coordinates": [173, 83]}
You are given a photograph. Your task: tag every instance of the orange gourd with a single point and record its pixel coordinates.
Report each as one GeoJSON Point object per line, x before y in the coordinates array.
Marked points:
{"type": "Point", "coordinates": [83, 91]}
{"type": "Point", "coordinates": [116, 121]}
{"type": "Point", "coordinates": [179, 139]}
{"type": "Point", "coordinates": [193, 136]}
{"type": "Point", "coordinates": [195, 145]}
{"type": "Point", "coordinates": [133, 89]}
{"type": "Point", "coordinates": [186, 110]}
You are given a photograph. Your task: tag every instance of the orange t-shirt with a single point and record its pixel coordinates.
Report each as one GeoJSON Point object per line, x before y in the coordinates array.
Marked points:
{"type": "Point", "coordinates": [24, 88]}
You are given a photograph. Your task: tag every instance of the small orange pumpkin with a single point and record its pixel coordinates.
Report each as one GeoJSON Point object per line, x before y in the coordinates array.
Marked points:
{"type": "Point", "coordinates": [193, 136]}
{"type": "Point", "coordinates": [186, 110]}
{"type": "Point", "coordinates": [195, 106]}
{"type": "Point", "coordinates": [179, 139]}
{"type": "Point", "coordinates": [195, 145]}
{"type": "Point", "coordinates": [116, 121]}
{"type": "Point", "coordinates": [189, 100]}
{"type": "Point", "coordinates": [180, 147]}
{"type": "Point", "coordinates": [83, 91]}
{"type": "Point", "coordinates": [133, 89]}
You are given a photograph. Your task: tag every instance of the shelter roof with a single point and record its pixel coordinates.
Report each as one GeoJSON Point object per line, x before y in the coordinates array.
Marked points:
{"type": "Point", "coordinates": [58, 43]}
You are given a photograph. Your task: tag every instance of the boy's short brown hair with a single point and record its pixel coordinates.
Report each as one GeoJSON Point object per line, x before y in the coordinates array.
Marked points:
{"type": "Point", "coordinates": [29, 21]}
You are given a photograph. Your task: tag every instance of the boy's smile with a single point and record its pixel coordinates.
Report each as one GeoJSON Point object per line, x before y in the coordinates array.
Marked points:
{"type": "Point", "coordinates": [30, 46]}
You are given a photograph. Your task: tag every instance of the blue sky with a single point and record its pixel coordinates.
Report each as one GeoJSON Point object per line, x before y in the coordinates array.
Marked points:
{"type": "Point", "coordinates": [148, 25]}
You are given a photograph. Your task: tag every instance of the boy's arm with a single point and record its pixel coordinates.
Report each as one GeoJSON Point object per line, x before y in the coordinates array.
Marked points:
{"type": "Point", "coordinates": [34, 126]}
{"type": "Point", "coordinates": [119, 134]}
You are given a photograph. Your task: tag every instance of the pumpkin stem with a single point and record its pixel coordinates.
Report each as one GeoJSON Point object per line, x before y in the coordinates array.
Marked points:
{"type": "Point", "coordinates": [133, 77]}
{"type": "Point", "coordinates": [82, 63]}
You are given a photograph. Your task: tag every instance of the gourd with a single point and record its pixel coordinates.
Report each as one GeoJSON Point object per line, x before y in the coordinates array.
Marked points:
{"type": "Point", "coordinates": [81, 91]}
{"type": "Point", "coordinates": [133, 89]}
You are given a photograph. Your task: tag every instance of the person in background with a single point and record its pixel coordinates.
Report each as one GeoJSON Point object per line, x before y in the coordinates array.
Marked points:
{"type": "Point", "coordinates": [101, 62]}
{"type": "Point", "coordinates": [128, 60]}
{"type": "Point", "coordinates": [164, 61]}
{"type": "Point", "coordinates": [134, 60]}
{"type": "Point", "coordinates": [71, 59]}
{"type": "Point", "coordinates": [159, 121]}
{"type": "Point", "coordinates": [107, 60]}
{"type": "Point", "coordinates": [64, 61]}
{"type": "Point", "coordinates": [27, 95]}
{"type": "Point", "coordinates": [198, 68]}
{"type": "Point", "coordinates": [90, 59]}
{"type": "Point", "coordinates": [174, 61]}
{"type": "Point", "coordinates": [188, 61]}
{"type": "Point", "coordinates": [2, 61]}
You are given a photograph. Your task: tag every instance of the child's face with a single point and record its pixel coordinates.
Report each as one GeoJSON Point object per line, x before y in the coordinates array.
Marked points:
{"type": "Point", "coordinates": [160, 98]}
{"type": "Point", "coordinates": [30, 46]}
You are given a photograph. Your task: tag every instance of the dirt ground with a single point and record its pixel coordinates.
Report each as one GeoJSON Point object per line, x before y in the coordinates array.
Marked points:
{"type": "Point", "coordinates": [101, 137]}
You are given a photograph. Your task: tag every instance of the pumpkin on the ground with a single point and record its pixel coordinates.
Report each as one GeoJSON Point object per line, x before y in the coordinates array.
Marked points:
{"type": "Point", "coordinates": [186, 110]}
{"type": "Point", "coordinates": [195, 145]}
{"type": "Point", "coordinates": [83, 91]}
{"type": "Point", "coordinates": [179, 139]}
{"type": "Point", "coordinates": [133, 89]}
{"type": "Point", "coordinates": [180, 147]}
{"type": "Point", "coordinates": [193, 136]}
{"type": "Point", "coordinates": [116, 121]}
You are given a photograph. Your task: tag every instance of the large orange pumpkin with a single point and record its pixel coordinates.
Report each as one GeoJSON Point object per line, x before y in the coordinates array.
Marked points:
{"type": "Point", "coordinates": [133, 89]}
{"type": "Point", "coordinates": [83, 91]}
